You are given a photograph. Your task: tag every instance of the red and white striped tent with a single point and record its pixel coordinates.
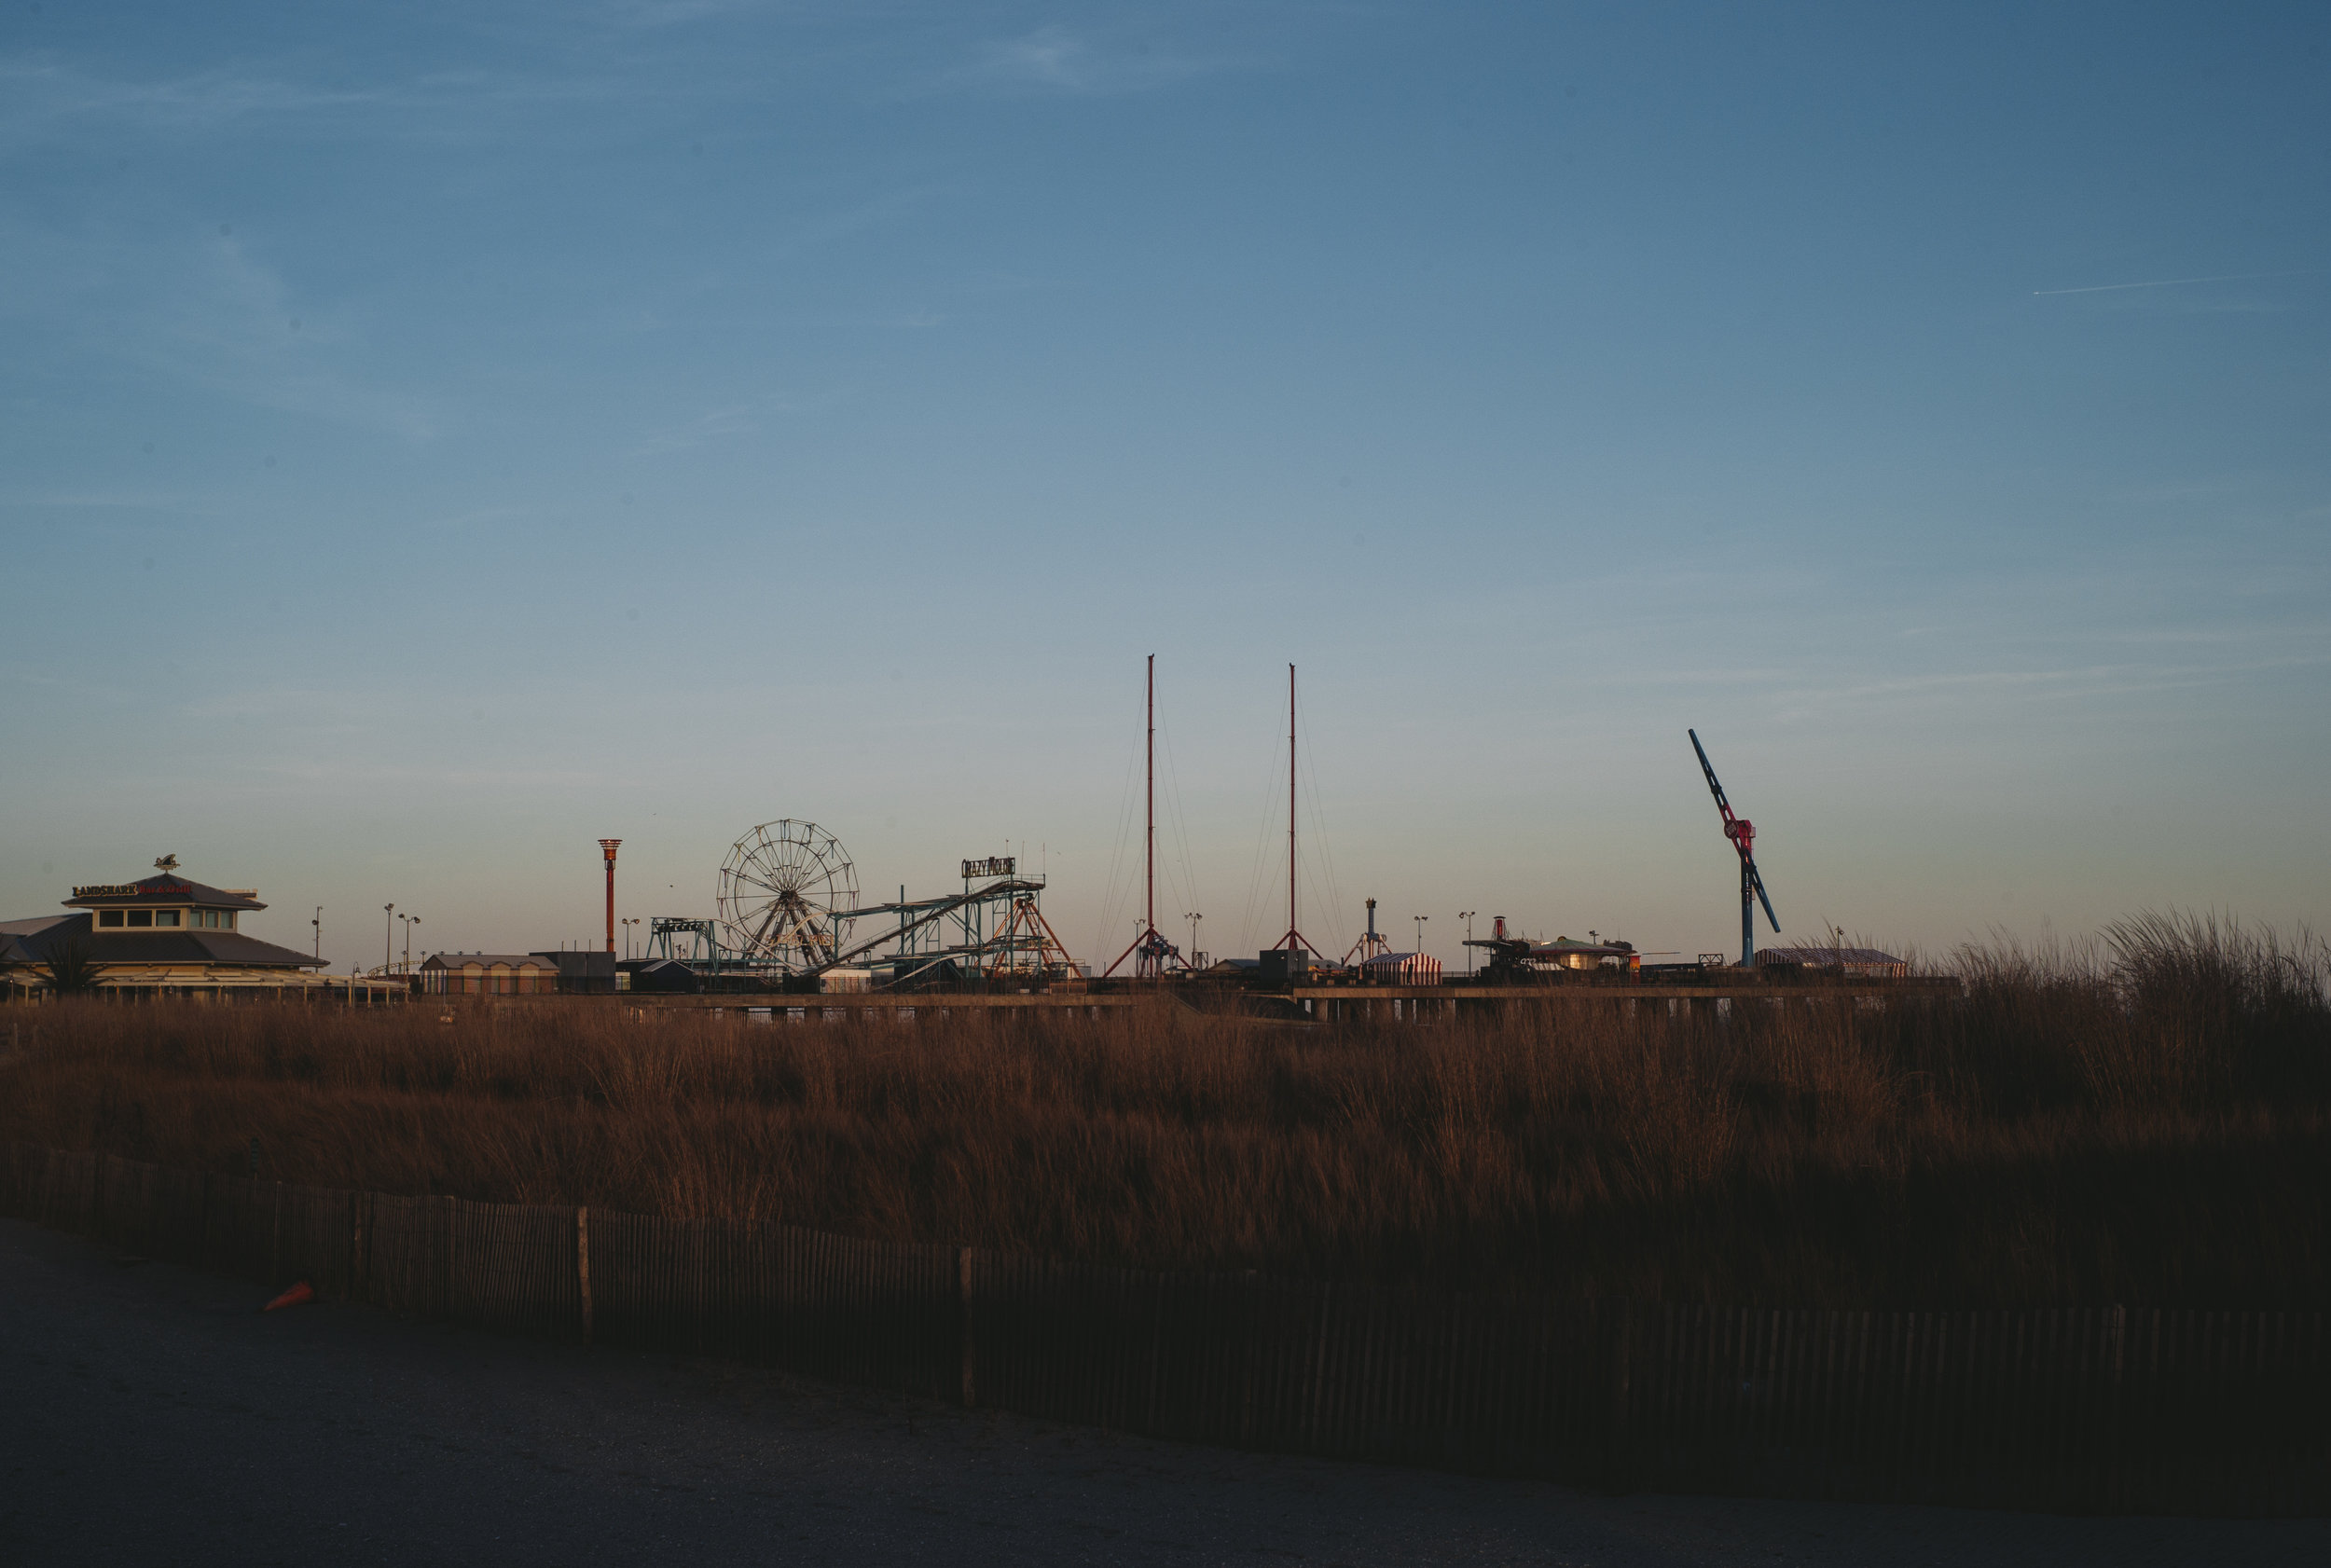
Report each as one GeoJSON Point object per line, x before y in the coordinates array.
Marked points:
{"type": "Point", "coordinates": [1403, 969]}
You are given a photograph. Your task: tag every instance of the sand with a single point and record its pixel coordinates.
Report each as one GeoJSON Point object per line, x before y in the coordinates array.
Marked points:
{"type": "Point", "coordinates": [151, 1414]}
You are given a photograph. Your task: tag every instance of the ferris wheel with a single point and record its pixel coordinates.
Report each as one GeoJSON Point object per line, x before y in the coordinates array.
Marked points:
{"type": "Point", "coordinates": [786, 889]}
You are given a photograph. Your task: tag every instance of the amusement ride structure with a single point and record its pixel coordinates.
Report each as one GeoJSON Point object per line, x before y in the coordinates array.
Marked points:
{"type": "Point", "coordinates": [1294, 941]}
{"type": "Point", "coordinates": [1153, 955]}
{"type": "Point", "coordinates": [788, 913]}
{"type": "Point", "coordinates": [1743, 834]}
{"type": "Point", "coordinates": [788, 908]}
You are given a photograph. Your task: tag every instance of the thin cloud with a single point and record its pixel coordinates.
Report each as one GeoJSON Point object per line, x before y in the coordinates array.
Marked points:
{"type": "Point", "coordinates": [728, 422]}
{"type": "Point", "coordinates": [477, 517]}
{"type": "Point", "coordinates": [2037, 685]}
{"type": "Point", "coordinates": [231, 331]}
{"type": "Point", "coordinates": [855, 219]}
{"type": "Point", "coordinates": [40, 96]}
{"type": "Point", "coordinates": [98, 501]}
{"type": "Point", "coordinates": [1054, 59]}
{"type": "Point", "coordinates": [1723, 676]}
{"type": "Point", "coordinates": [720, 424]}
{"type": "Point", "coordinates": [2176, 282]}
{"type": "Point", "coordinates": [648, 14]}
{"type": "Point", "coordinates": [310, 773]}
{"type": "Point", "coordinates": [199, 310]}
{"type": "Point", "coordinates": [41, 91]}
{"type": "Point", "coordinates": [277, 703]}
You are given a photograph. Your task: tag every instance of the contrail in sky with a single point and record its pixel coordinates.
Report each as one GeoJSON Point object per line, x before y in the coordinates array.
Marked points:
{"type": "Point", "coordinates": [2172, 282]}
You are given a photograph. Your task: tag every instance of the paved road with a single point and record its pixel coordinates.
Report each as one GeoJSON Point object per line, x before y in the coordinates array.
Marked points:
{"type": "Point", "coordinates": [150, 1415]}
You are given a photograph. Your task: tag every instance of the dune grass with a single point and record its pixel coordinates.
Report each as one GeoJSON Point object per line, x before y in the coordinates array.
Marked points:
{"type": "Point", "coordinates": [2146, 1122]}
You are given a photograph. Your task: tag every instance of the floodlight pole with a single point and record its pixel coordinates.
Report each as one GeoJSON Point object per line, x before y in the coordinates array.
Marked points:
{"type": "Point", "coordinates": [387, 936]}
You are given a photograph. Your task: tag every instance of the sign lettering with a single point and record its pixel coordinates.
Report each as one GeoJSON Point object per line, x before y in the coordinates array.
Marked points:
{"type": "Point", "coordinates": [130, 889]}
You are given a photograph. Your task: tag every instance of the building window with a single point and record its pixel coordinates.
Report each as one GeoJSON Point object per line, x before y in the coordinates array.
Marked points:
{"type": "Point", "coordinates": [165, 917]}
{"type": "Point", "coordinates": [109, 917]}
{"type": "Point", "coordinates": [141, 917]}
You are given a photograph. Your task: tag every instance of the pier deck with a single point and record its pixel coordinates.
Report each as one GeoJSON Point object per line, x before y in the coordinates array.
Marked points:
{"type": "Point", "coordinates": [1319, 1000]}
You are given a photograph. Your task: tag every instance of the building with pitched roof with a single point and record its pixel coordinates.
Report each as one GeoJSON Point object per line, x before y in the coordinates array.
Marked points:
{"type": "Point", "coordinates": [162, 935]}
{"type": "Point", "coordinates": [489, 974]}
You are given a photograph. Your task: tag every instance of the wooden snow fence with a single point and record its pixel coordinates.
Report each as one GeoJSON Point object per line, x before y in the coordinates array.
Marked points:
{"type": "Point", "coordinates": [2095, 1410]}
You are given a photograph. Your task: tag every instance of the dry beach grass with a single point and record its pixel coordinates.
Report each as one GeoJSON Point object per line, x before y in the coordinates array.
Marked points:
{"type": "Point", "coordinates": [2146, 1122]}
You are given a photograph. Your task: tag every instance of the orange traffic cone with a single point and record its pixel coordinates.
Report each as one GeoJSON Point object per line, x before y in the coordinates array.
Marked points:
{"type": "Point", "coordinates": [303, 1292]}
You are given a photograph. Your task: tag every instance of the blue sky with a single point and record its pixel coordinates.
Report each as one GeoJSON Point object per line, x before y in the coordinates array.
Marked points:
{"type": "Point", "coordinates": [435, 438]}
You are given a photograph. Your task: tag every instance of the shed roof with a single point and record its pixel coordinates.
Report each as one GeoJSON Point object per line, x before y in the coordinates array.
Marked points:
{"type": "Point", "coordinates": [587, 963]}
{"type": "Point", "coordinates": [486, 960]}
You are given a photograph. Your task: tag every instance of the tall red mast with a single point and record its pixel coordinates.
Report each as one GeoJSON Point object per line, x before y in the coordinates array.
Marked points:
{"type": "Point", "coordinates": [1294, 939]}
{"type": "Point", "coordinates": [1154, 952]}
{"type": "Point", "coordinates": [1149, 834]}
{"type": "Point", "coordinates": [1291, 938]}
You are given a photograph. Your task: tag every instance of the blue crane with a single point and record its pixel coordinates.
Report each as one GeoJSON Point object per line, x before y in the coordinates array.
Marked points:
{"type": "Point", "coordinates": [1743, 834]}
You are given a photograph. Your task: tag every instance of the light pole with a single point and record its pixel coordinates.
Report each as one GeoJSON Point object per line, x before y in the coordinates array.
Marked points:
{"type": "Point", "coordinates": [318, 924]}
{"type": "Point", "coordinates": [388, 935]}
{"type": "Point", "coordinates": [1420, 920]}
{"type": "Point", "coordinates": [1193, 919]}
{"type": "Point", "coordinates": [1467, 916]}
{"type": "Point", "coordinates": [629, 921]}
{"type": "Point", "coordinates": [410, 921]}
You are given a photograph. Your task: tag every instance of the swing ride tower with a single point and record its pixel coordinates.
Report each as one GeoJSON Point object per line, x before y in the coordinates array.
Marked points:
{"type": "Point", "coordinates": [1153, 956]}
